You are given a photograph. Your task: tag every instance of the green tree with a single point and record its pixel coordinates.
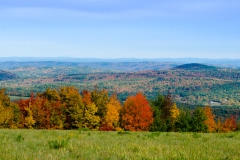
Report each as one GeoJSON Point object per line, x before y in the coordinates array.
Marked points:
{"type": "Point", "coordinates": [71, 98]}
{"type": "Point", "coordinates": [184, 121]}
{"type": "Point", "coordinates": [158, 123]}
{"type": "Point", "coordinates": [100, 99]}
{"type": "Point", "coordinates": [198, 121]}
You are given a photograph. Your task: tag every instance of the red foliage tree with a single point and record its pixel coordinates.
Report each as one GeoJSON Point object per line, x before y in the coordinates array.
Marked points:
{"type": "Point", "coordinates": [230, 124]}
{"type": "Point", "coordinates": [86, 97]}
{"type": "Point", "coordinates": [137, 113]}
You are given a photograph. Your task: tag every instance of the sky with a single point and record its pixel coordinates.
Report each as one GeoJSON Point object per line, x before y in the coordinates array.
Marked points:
{"type": "Point", "coordinates": [120, 28]}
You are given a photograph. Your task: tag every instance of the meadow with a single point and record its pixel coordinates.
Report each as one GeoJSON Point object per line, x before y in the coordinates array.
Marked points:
{"type": "Point", "coordinates": [84, 144]}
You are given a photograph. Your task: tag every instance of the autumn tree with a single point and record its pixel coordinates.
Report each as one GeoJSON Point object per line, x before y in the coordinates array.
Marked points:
{"type": "Point", "coordinates": [86, 97]}
{"type": "Point", "coordinates": [111, 120]}
{"type": "Point", "coordinates": [71, 98]}
{"type": "Point", "coordinates": [229, 125]}
{"type": "Point", "coordinates": [51, 95]}
{"type": "Point", "coordinates": [54, 109]}
{"type": "Point", "coordinates": [9, 112]}
{"type": "Point", "coordinates": [40, 110]}
{"type": "Point", "coordinates": [29, 121]}
{"type": "Point", "coordinates": [100, 99]}
{"type": "Point", "coordinates": [89, 119]}
{"type": "Point", "coordinates": [57, 115]}
{"type": "Point", "coordinates": [167, 105]}
{"type": "Point", "coordinates": [137, 113]}
{"type": "Point", "coordinates": [174, 113]}
{"type": "Point", "coordinates": [210, 122]}
{"type": "Point", "coordinates": [6, 115]}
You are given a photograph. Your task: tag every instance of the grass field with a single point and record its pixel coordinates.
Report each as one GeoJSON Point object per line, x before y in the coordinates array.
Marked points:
{"type": "Point", "coordinates": [77, 144]}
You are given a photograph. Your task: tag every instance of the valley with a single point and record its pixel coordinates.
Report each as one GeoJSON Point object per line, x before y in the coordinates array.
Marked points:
{"type": "Point", "coordinates": [190, 84]}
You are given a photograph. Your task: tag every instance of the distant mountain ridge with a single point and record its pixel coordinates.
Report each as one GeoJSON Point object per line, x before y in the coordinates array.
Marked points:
{"type": "Point", "coordinates": [232, 63]}
{"type": "Point", "coordinates": [117, 66]}
{"type": "Point", "coordinates": [194, 66]}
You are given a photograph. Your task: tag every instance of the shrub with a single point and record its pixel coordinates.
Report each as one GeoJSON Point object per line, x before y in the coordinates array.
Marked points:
{"type": "Point", "coordinates": [19, 138]}
{"type": "Point", "coordinates": [60, 143]}
{"type": "Point", "coordinates": [123, 132]}
{"type": "Point", "coordinates": [196, 135]}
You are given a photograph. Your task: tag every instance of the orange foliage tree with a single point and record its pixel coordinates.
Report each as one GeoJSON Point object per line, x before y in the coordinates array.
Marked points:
{"type": "Point", "coordinates": [210, 122]}
{"type": "Point", "coordinates": [41, 113]}
{"type": "Point", "coordinates": [230, 124]}
{"type": "Point", "coordinates": [137, 114]}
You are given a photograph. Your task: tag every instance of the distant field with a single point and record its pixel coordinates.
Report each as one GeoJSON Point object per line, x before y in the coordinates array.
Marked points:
{"type": "Point", "coordinates": [73, 144]}
{"type": "Point", "coordinates": [13, 98]}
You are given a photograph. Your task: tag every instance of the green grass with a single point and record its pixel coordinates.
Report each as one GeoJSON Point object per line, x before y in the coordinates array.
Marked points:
{"type": "Point", "coordinates": [80, 144]}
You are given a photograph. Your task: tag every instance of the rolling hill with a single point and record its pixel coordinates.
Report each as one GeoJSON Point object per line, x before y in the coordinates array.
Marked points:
{"type": "Point", "coordinates": [113, 66]}
{"type": "Point", "coordinates": [4, 75]}
{"type": "Point", "coordinates": [194, 66]}
{"type": "Point", "coordinates": [189, 83]}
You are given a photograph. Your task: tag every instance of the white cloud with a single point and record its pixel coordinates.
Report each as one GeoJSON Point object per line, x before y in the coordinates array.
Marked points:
{"type": "Point", "coordinates": [106, 9]}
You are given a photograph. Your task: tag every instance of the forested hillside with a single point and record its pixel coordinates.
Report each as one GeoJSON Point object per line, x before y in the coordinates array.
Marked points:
{"type": "Point", "coordinates": [194, 84]}
{"type": "Point", "coordinates": [4, 75]}
{"type": "Point", "coordinates": [194, 66]}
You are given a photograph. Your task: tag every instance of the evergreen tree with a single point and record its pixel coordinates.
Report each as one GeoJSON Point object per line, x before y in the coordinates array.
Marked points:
{"type": "Point", "coordinates": [158, 123]}
{"type": "Point", "coordinates": [183, 122]}
{"type": "Point", "coordinates": [198, 121]}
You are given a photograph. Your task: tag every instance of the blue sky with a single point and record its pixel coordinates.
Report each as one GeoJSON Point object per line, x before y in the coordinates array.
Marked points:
{"type": "Point", "coordinates": [120, 28]}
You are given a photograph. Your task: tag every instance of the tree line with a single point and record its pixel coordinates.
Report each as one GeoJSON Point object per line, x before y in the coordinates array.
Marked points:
{"type": "Point", "coordinates": [67, 108]}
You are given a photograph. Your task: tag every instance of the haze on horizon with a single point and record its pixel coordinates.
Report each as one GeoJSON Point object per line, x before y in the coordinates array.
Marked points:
{"type": "Point", "coordinates": [120, 29]}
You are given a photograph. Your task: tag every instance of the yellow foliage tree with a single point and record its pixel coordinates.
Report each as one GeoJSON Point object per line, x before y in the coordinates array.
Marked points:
{"type": "Point", "coordinates": [113, 111]}
{"type": "Point", "coordinates": [6, 115]}
{"type": "Point", "coordinates": [89, 119]}
{"type": "Point", "coordinates": [174, 112]}
{"type": "Point", "coordinates": [9, 112]}
{"type": "Point", "coordinates": [72, 99]}
{"type": "Point", "coordinates": [29, 120]}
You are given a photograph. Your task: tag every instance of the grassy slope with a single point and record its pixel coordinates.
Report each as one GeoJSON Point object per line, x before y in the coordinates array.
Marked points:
{"type": "Point", "coordinates": [112, 145]}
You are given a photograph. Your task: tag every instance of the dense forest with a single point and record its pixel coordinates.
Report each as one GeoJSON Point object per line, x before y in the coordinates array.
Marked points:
{"type": "Point", "coordinates": [69, 108]}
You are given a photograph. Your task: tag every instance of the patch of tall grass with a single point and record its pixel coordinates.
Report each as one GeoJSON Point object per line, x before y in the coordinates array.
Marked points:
{"type": "Point", "coordinates": [73, 144]}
